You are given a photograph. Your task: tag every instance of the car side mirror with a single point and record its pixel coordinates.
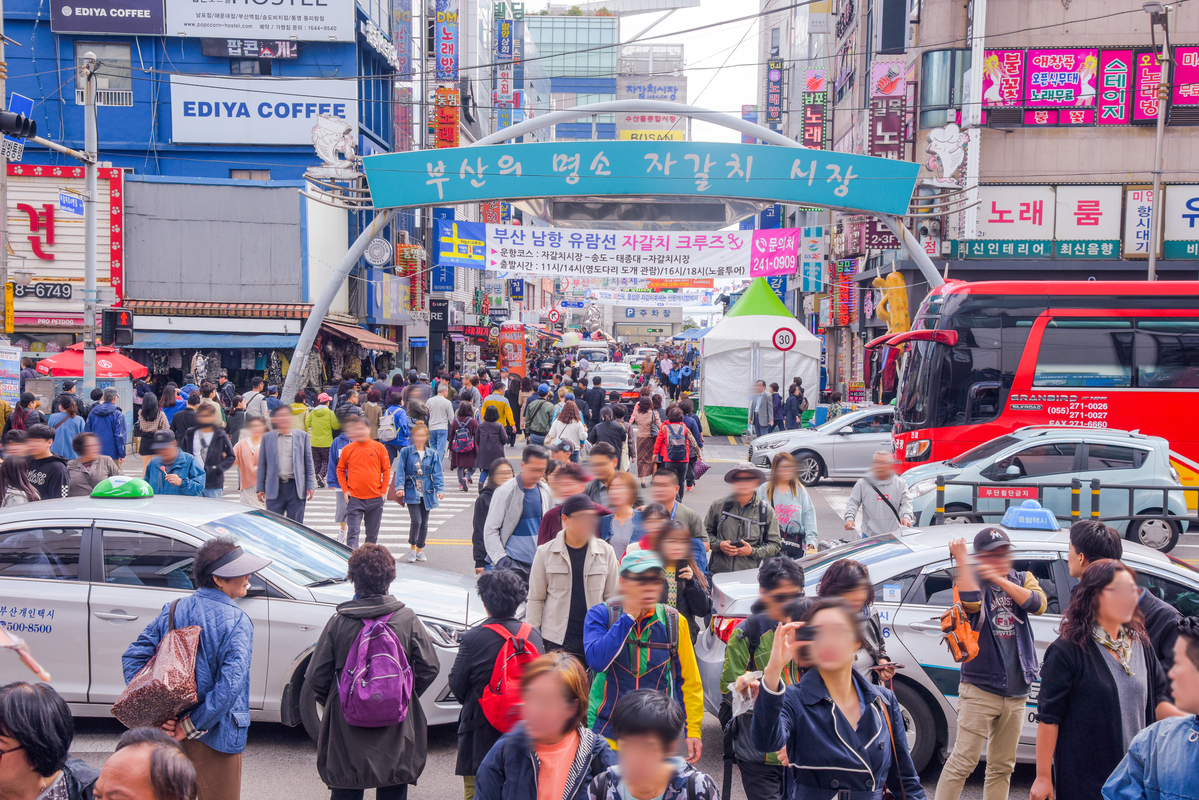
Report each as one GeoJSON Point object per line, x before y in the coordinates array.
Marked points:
{"type": "Point", "coordinates": [258, 587]}
{"type": "Point", "coordinates": [845, 431]}
{"type": "Point", "coordinates": [1012, 471]}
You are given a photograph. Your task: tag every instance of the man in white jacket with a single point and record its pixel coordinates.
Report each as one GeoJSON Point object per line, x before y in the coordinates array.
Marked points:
{"type": "Point", "coordinates": [510, 532]}
{"type": "Point", "coordinates": [882, 497]}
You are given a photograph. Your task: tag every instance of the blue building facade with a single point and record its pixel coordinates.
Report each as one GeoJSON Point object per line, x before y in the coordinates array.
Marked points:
{"type": "Point", "coordinates": [211, 108]}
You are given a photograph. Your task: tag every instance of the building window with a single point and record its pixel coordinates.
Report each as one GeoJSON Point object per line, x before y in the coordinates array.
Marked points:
{"type": "Point", "coordinates": [249, 66]}
{"type": "Point", "coordinates": [250, 174]}
{"type": "Point", "coordinates": [774, 42]}
{"type": "Point", "coordinates": [941, 85]}
{"type": "Point", "coordinates": [374, 94]}
{"type": "Point", "coordinates": [114, 78]}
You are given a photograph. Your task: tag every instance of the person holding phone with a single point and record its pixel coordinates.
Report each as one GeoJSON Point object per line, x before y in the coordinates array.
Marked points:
{"type": "Point", "coordinates": [841, 733]}
{"type": "Point", "coordinates": [849, 581]}
{"type": "Point", "coordinates": [742, 528]}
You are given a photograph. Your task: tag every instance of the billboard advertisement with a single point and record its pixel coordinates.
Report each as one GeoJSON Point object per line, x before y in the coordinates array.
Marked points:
{"type": "Point", "coordinates": [332, 20]}
{"type": "Point", "coordinates": [1003, 78]}
{"type": "Point", "coordinates": [1061, 78]}
{"type": "Point", "coordinates": [217, 110]}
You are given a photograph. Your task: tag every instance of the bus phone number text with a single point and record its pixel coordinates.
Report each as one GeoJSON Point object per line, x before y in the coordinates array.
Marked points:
{"type": "Point", "coordinates": [1083, 412]}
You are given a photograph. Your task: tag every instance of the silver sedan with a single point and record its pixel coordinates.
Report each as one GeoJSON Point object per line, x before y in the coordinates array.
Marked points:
{"type": "Point", "coordinates": [839, 449]}
{"type": "Point", "coordinates": [80, 578]}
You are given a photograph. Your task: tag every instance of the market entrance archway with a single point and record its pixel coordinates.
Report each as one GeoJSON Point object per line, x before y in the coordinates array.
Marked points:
{"type": "Point", "coordinates": [780, 171]}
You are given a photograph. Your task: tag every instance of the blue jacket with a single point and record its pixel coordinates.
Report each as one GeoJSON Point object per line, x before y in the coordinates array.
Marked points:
{"type": "Point", "coordinates": [403, 426]}
{"type": "Point", "coordinates": [65, 431]}
{"type": "Point", "coordinates": [829, 755]}
{"type": "Point", "coordinates": [509, 772]}
{"type": "Point", "coordinates": [1162, 764]}
{"type": "Point", "coordinates": [222, 664]}
{"type": "Point", "coordinates": [697, 545]}
{"type": "Point", "coordinates": [334, 454]}
{"type": "Point", "coordinates": [422, 489]}
{"type": "Point", "coordinates": [186, 466]}
{"type": "Point", "coordinates": [107, 421]}
{"type": "Point", "coordinates": [186, 390]}
{"type": "Point", "coordinates": [171, 411]}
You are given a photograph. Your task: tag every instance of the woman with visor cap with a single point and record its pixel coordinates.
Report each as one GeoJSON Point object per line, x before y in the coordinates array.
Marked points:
{"type": "Point", "coordinates": [213, 733]}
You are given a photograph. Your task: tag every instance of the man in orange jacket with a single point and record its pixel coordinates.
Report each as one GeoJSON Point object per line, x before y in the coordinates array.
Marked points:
{"type": "Point", "coordinates": [364, 473]}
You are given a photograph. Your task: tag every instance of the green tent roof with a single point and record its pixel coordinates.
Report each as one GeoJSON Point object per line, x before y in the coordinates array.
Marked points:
{"type": "Point", "coordinates": [759, 300]}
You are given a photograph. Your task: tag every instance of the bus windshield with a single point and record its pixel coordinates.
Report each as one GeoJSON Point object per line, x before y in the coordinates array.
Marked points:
{"type": "Point", "coordinates": [916, 383]}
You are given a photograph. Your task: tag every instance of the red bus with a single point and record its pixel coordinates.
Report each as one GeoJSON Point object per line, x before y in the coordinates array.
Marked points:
{"type": "Point", "coordinates": [983, 359]}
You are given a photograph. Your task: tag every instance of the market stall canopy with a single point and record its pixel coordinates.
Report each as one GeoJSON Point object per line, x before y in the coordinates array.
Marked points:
{"type": "Point", "coordinates": [692, 334]}
{"type": "Point", "coordinates": [740, 350]}
{"type": "Point", "coordinates": [370, 341]}
{"type": "Point", "coordinates": [109, 364]}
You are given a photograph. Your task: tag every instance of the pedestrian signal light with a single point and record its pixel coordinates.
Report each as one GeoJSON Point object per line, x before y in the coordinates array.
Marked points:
{"type": "Point", "coordinates": [116, 327]}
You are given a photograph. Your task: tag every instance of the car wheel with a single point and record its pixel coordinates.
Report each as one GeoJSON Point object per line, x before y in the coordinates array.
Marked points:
{"type": "Point", "coordinates": [810, 467]}
{"type": "Point", "coordinates": [311, 711]}
{"type": "Point", "coordinates": [1159, 534]}
{"type": "Point", "coordinates": [919, 722]}
{"type": "Point", "coordinates": [954, 516]}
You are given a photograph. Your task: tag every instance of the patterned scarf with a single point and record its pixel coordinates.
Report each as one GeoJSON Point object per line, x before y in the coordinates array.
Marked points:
{"type": "Point", "coordinates": [1121, 646]}
{"type": "Point", "coordinates": [672, 588]}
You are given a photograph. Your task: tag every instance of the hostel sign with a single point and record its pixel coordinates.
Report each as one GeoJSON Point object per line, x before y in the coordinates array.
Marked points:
{"type": "Point", "coordinates": [619, 168]}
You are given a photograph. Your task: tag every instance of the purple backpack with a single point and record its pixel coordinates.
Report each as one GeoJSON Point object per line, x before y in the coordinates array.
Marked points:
{"type": "Point", "coordinates": [375, 687]}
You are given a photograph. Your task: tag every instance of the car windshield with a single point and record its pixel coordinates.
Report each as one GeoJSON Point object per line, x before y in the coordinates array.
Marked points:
{"type": "Point", "coordinates": [874, 550]}
{"type": "Point", "coordinates": [982, 452]}
{"type": "Point", "coordinates": [301, 555]}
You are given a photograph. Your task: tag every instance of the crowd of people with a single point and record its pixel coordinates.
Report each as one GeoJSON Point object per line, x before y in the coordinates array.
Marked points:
{"type": "Point", "coordinates": [594, 691]}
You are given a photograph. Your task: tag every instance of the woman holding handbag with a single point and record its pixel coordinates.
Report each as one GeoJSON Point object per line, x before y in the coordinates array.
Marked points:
{"type": "Point", "coordinates": [842, 733]}
{"type": "Point", "coordinates": [213, 733]}
{"type": "Point", "coordinates": [419, 484]}
{"type": "Point", "coordinates": [646, 422]}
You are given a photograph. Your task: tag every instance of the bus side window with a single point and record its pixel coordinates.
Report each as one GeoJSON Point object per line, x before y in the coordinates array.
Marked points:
{"type": "Point", "coordinates": [1167, 354]}
{"type": "Point", "coordinates": [1085, 353]}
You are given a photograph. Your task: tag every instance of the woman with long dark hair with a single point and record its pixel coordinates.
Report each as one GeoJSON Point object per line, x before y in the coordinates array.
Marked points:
{"type": "Point", "coordinates": [849, 581]}
{"type": "Point", "coordinates": [568, 428]}
{"type": "Point", "coordinates": [171, 403]}
{"type": "Point", "coordinates": [646, 422]}
{"type": "Point", "coordinates": [792, 504]}
{"type": "Point", "coordinates": [498, 473]}
{"type": "Point", "coordinates": [67, 424]}
{"type": "Point", "coordinates": [686, 586]}
{"type": "Point", "coordinates": [1101, 684]}
{"type": "Point", "coordinates": [419, 485]}
{"type": "Point", "coordinates": [150, 420]}
{"type": "Point", "coordinates": [15, 488]}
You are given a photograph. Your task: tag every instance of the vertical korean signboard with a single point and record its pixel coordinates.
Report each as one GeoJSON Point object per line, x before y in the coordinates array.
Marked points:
{"type": "Point", "coordinates": [774, 91]}
{"type": "Point", "coordinates": [1138, 211]}
{"type": "Point", "coordinates": [1003, 78]}
{"type": "Point", "coordinates": [815, 108]}
{"type": "Point", "coordinates": [749, 114]}
{"type": "Point", "coordinates": [1115, 87]}
{"type": "Point", "coordinates": [884, 134]}
{"type": "Point", "coordinates": [447, 107]}
{"type": "Point", "coordinates": [401, 37]}
{"type": "Point", "coordinates": [813, 255]}
{"type": "Point", "coordinates": [1147, 72]}
{"type": "Point", "coordinates": [445, 34]}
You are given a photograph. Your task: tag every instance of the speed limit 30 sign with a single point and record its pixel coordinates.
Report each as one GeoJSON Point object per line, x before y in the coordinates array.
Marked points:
{"type": "Point", "coordinates": [783, 339]}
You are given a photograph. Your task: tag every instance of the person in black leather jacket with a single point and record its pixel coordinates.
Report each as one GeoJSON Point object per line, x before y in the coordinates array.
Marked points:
{"type": "Point", "coordinates": [849, 581]}
{"type": "Point", "coordinates": [36, 731]}
{"type": "Point", "coordinates": [499, 473]}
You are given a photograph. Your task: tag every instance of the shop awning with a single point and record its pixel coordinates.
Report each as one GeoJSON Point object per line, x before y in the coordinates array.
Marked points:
{"type": "Point", "coordinates": [364, 337]}
{"type": "Point", "coordinates": [158, 340]}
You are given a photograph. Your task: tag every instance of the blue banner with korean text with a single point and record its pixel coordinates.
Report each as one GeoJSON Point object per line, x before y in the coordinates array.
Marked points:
{"type": "Point", "coordinates": [461, 244]}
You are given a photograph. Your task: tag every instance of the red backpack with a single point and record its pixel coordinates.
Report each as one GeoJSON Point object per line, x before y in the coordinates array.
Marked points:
{"type": "Point", "coordinates": [501, 697]}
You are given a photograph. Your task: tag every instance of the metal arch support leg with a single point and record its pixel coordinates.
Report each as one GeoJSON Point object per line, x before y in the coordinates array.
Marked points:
{"type": "Point", "coordinates": [321, 307]}
{"type": "Point", "coordinates": [927, 268]}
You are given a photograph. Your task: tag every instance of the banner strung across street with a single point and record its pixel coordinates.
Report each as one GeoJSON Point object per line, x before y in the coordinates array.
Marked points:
{"type": "Point", "coordinates": [651, 299]}
{"type": "Point", "coordinates": [595, 253]}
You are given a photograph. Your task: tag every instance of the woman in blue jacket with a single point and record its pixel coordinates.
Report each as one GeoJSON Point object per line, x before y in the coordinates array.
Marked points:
{"type": "Point", "coordinates": [419, 484]}
{"type": "Point", "coordinates": [552, 745]}
{"type": "Point", "coordinates": [842, 733]}
{"type": "Point", "coordinates": [213, 734]}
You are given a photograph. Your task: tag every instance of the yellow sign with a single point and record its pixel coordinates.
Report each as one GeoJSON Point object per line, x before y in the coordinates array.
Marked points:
{"type": "Point", "coordinates": [8, 308]}
{"type": "Point", "coordinates": [653, 136]}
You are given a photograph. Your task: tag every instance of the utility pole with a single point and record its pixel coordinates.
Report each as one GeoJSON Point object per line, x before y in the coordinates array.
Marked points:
{"type": "Point", "coordinates": [90, 298]}
{"type": "Point", "coordinates": [3, 175]}
{"type": "Point", "coordinates": [1159, 14]}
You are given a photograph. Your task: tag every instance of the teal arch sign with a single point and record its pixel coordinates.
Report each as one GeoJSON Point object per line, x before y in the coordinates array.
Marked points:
{"type": "Point", "coordinates": [616, 168]}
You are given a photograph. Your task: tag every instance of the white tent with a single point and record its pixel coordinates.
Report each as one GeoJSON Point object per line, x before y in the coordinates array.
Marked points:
{"type": "Point", "coordinates": [740, 350]}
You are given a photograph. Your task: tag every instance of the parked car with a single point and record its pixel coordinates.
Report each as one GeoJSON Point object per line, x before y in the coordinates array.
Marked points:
{"type": "Point", "coordinates": [595, 354]}
{"type": "Point", "coordinates": [913, 586]}
{"type": "Point", "coordinates": [636, 358]}
{"type": "Point", "coordinates": [1043, 454]}
{"type": "Point", "coordinates": [839, 449]}
{"type": "Point", "coordinates": [80, 578]}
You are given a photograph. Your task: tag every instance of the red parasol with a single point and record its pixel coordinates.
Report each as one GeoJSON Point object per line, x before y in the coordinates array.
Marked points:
{"type": "Point", "coordinates": [109, 364]}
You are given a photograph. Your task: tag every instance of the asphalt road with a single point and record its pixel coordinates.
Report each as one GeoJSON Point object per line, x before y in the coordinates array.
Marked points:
{"type": "Point", "coordinates": [278, 756]}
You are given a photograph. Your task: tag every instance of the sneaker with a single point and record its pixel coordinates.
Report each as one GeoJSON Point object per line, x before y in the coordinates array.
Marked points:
{"type": "Point", "coordinates": [462, 485]}
{"type": "Point", "coordinates": [692, 486]}
{"type": "Point", "coordinates": [411, 557]}
{"type": "Point", "coordinates": [420, 556]}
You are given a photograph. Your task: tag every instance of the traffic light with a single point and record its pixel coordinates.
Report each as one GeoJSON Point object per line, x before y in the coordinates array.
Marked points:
{"type": "Point", "coordinates": [116, 327]}
{"type": "Point", "coordinates": [17, 125]}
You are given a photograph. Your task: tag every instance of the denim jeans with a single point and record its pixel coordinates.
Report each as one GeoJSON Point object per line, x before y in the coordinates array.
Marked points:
{"type": "Point", "coordinates": [217, 493]}
{"type": "Point", "coordinates": [437, 440]}
{"type": "Point", "coordinates": [483, 478]}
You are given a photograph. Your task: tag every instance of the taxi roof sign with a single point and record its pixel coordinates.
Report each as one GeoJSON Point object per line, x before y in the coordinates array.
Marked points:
{"type": "Point", "coordinates": [1029, 516]}
{"type": "Point", "coordinates": [121, 486]}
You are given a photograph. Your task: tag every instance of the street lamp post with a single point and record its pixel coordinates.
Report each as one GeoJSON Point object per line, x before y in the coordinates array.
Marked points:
{"type": "Point", "coordinates": [1159, 14]}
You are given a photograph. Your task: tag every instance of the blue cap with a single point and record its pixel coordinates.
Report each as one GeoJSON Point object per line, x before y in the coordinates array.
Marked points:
{"type": "Point", "coordinates": [543, 388]}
